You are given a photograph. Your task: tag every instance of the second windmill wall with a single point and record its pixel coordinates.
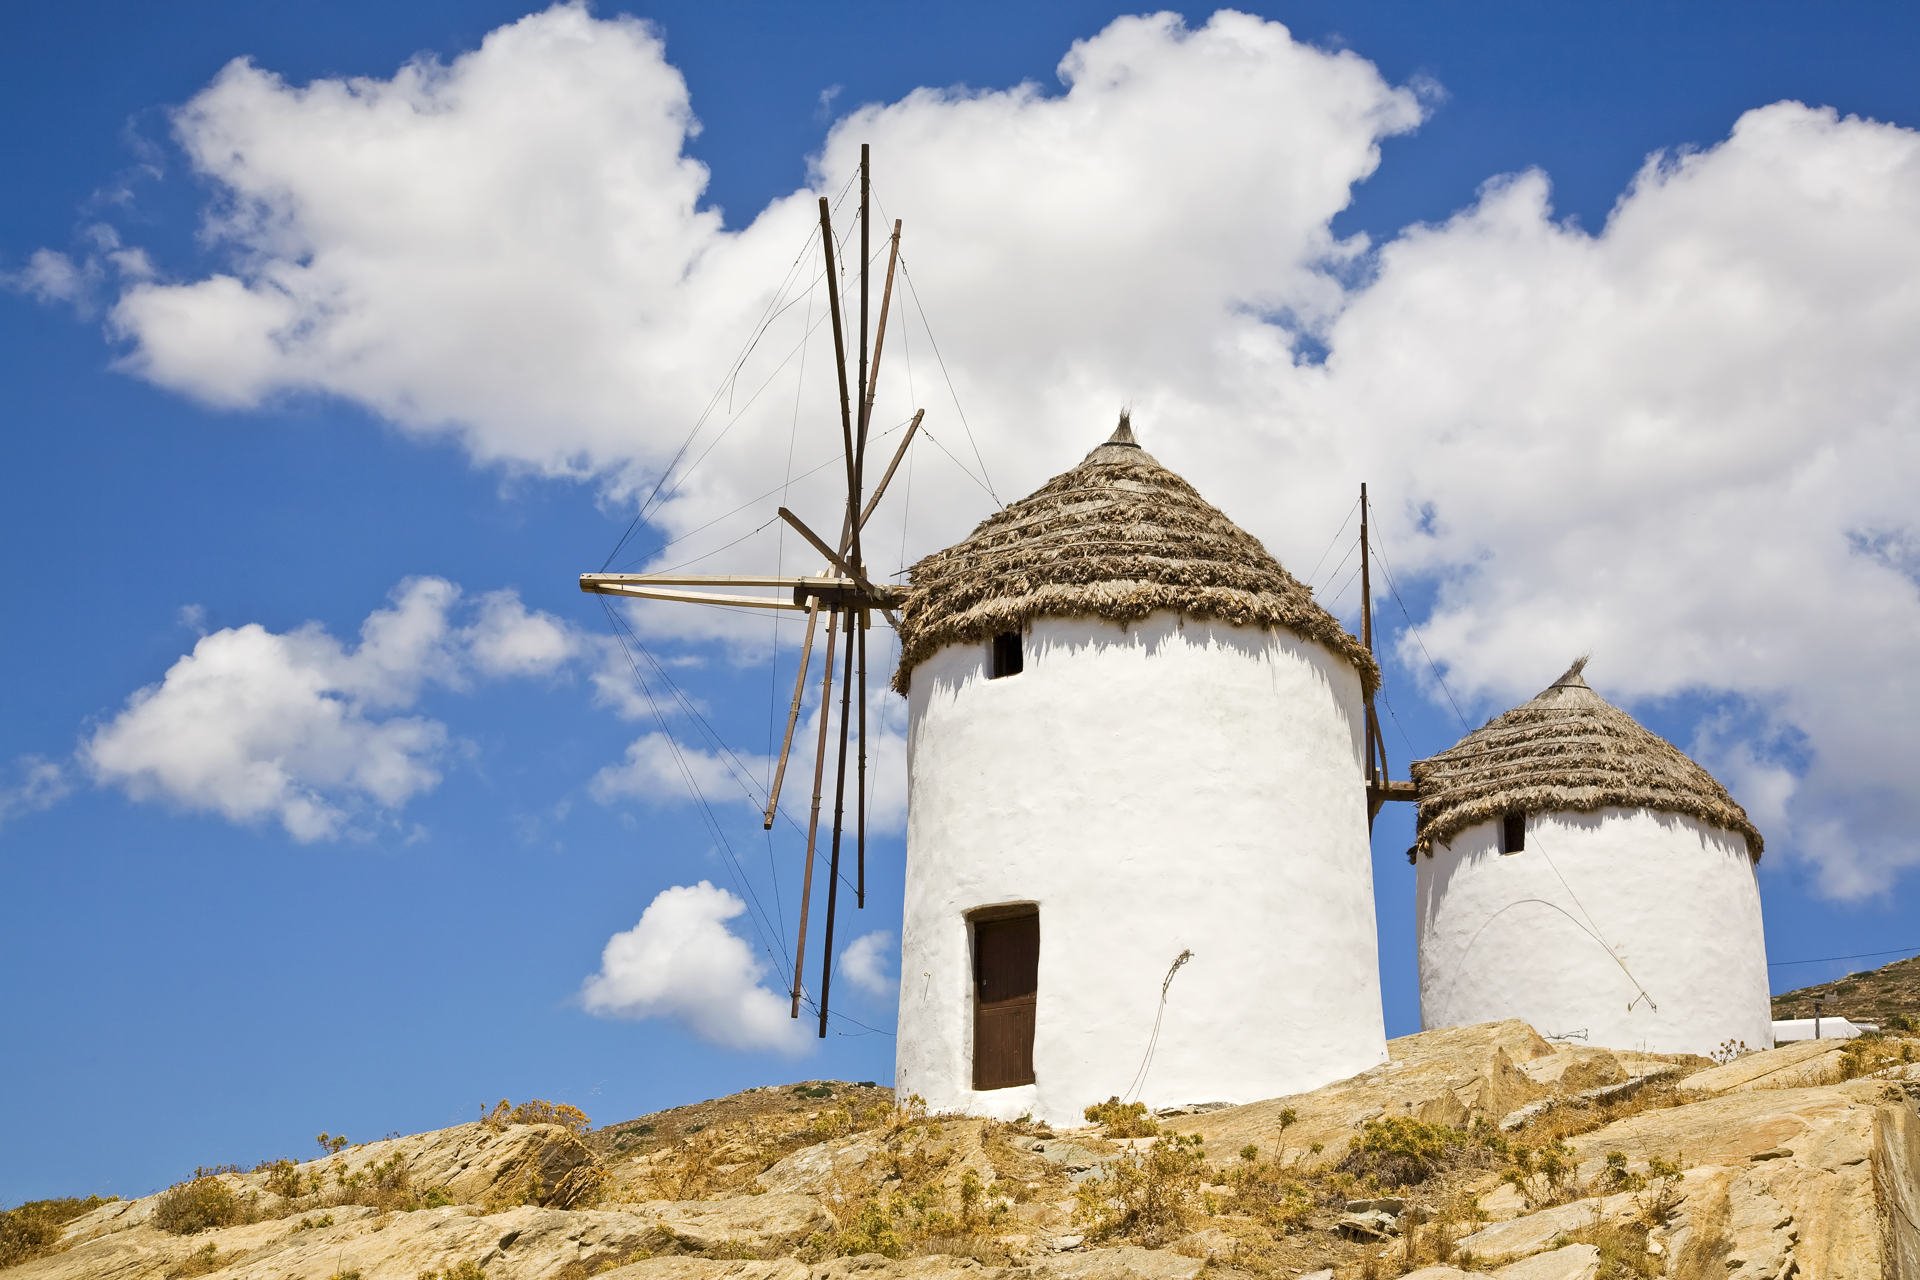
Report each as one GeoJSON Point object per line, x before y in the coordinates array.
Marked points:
{"type": "Point", "coordinates": [1521, 935]}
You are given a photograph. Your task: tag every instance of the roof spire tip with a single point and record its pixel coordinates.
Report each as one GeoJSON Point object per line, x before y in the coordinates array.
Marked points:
{"type": "Point", "coordinates": [1123, 434]}
{"type": "Point", "coordinates": [1573, 676]}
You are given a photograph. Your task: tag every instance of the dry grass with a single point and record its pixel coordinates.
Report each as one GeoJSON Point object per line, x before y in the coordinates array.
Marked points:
{"type": "Point", "coordinates": [201, 1203]}
{"type": "Point", "coordinates": [32, 1230]}
{"type": "Point", "coordinates": [207, 1258]}
{"type": "Point", "coordinates": [1874, 1053]}
{"type": "Point", "coordinates": [1568, 1119]}
{"type": "Point", "coordinates": [1149, 1197]}
{"type": "Point", "coordinates": [1123, 1119]}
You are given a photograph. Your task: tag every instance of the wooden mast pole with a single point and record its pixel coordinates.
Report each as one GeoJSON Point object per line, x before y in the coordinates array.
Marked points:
{"type": "Point", "coordinates": [856, 446]}
{"type": "Point", "coordinates": [813, 613]}
{"type": "Point", "coordinates": [1376, 753]}
{"type": "Point", "coordinates": [857, 632]}
{"type": "Point", "coordinates": [813, 822]}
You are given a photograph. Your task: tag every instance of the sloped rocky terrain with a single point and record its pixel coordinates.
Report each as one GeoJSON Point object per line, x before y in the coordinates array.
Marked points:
{"type": "Point", "coordinates": [1477, 1151]}
{"type": "Point", "coordinates": [1885, 995]}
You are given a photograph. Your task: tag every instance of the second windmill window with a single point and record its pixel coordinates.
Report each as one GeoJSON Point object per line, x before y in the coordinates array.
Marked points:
{"type": "Point", "coordinates": [1006, 657]}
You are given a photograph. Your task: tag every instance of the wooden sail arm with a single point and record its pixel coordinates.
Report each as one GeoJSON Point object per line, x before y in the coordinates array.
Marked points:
{"type": "Point", "coordinates": [798, 593]}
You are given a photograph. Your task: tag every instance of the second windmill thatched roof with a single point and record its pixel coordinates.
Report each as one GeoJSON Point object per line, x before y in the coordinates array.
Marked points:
{"type": "Point", "coordinates": [1117, 537]}
{"type": "Point", "coordinates": [1567, 750]}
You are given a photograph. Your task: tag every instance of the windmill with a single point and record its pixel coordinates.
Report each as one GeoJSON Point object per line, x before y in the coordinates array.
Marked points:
{"type": "Point", "coordinates": [841, 592]}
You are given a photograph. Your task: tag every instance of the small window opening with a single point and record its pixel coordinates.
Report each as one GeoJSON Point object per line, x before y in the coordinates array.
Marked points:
{"type": "Point", "coordinates": [1006, 658]}
{"type": "Point", "coordinates": [1513, 833]}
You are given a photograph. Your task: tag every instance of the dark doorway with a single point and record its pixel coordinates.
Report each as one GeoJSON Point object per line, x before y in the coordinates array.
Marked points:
{"type": "Point", "coordinates": [1006, 973]}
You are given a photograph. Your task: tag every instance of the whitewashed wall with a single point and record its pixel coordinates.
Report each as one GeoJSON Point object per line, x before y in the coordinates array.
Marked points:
{"type": "Point", "coordinates": [1171, 785]}
{"type": "Point", "coordinates": [1501, 937]}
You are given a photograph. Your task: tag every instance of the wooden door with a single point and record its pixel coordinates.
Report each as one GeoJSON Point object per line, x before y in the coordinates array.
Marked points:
{"type": "Point", "coordinates": [1006, 972]}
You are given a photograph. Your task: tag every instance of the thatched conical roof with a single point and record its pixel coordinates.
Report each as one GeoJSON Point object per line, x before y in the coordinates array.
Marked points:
{"type": "Point", "coordinates": [1117, 537]}
{"type": "Point", "coordinates": [1568, 750]}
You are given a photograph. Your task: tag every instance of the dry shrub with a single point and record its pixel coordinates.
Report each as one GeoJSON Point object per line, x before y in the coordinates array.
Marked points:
{"type": "Point", "coordinates": [32, 1230]}
{"type": "Point", "coordinates": [1399, 1151]}
{"type": "Point", "coordinates": [1623, 1250]}
{"type": "Point", "coordinates": [1123, 1119]}
{"type": "Point", "coordinates": [1147, 1196]}
{"type": "Point", "coordinates": [1270, 1192]}
{"type": "Point", "coordinates": [1568, 1119]}
{"type": "Point", "coordinates": [283, 1179]}
{"type": "Point", "coordinates": [1431, 1236]}
{"type": "Point", "coordinates": [1544, 1175]}
{"type": "Point", "coordinates": [200, 1203]}
{"type": "Point", "coordinates": [201, 1261]}
{"type": "Point", "coordinates": [386, 1186]}
{"type": "Point", "coordinates": [538, 1111]}
{"type": "Point", "coordinates": [468, 1270]}
{"type": "Point", "coordinates": [920, 1218]}
{"type": "Point", "coordinates": [1873, 1053]}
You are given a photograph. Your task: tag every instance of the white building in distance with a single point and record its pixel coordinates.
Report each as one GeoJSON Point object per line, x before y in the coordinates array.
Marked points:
{"type": "Point", "coordinates": [1580, 872]}
{"type": "Point", "coordinates": [1137, 848]}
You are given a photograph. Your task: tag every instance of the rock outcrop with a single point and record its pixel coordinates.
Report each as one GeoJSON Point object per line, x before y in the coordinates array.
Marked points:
{"type": "Point", "coordinates": [1517, 1159]}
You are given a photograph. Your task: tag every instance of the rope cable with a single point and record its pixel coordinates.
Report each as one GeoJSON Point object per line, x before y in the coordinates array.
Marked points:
{"type": "Point", "coordinates": [693, 786]}
{"type": "Point", "coordinates": [1394, 587]}
{"type": "Point", "coordinates": [1139, 1080]}
{"type": "Point", "coordinates": [1332, 542]}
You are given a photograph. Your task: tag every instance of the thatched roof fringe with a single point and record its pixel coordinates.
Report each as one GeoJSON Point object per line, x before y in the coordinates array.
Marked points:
{"type": "Point", "coordinates": [1567, 750]}
{"type": "Point", "coordinates": [1117, 537]}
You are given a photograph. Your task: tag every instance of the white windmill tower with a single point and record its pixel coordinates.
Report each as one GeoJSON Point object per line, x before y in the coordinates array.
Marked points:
{"type": "Point", "coordinates": [1137, 833]}
{"type": "Point", "coordinates": [1578, 871]}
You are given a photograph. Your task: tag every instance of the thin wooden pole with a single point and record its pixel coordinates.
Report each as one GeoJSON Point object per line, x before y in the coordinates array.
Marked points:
{"type": "Point", "coordinates": [813, 821]}
{"type": "Point", "coordinates": [839, 826]}
{"type": "Point", "coordinates": [793, 716]}
{"type": "Point", "coordinates": [860, 437]}
{"type": "Point", "coordinates": [887, 477]}
{"type": "Point", "coordinates": [1376, 745]}
{"type": "Point", "coordinates": [860, 813]}
{"type": "Point", "coordinates": [839, 341]}
{"type": "Point", "coordinates": [880, 334]}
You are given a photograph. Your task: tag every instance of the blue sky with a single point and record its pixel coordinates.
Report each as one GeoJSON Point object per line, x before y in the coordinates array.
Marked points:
{"type": "Point", "coordinates": [1664, 413]}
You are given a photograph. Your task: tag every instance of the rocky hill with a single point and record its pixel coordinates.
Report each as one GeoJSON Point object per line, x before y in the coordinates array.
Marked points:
{"type": "Point", "coordinates": [1887, 995]}
{"type": "Point", "coordinates": [1477, 1151]}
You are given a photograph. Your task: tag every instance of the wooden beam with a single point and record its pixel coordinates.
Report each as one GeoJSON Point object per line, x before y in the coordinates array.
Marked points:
{"type": "Point", "coordinates": [793, 717]}
{"type": "Point", "coordinates": [854, 577]}
{"type": "Point", "coordinates": [886, 477]}
{"type": "Point", "coordinates": [694, 597]}
{"type": "Point", "coordinates": [788, 581]}
{"type": "Point", "coordinates": [1388, 790]}
{"type": "Point", "coordinates": [839, 345]}
{"type": "Point", "coordinates": [813, 821]}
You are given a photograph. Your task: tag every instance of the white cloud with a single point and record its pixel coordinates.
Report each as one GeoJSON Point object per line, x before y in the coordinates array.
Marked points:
{"type": "Point", "coordinates": [508, 639]}
{"type": "Point", "coordinates": [40, 784]}
{"type": "Point", "coordinates": [51, 277]}
{"type": "Point", "coordinates": [657, 768]}
{"type": "Point", "coordinates": [682, 962]}
{"type": "Point", "coordinates": [864, 963]}
{"type": "Point", "coordinates": [1686, 441]}
{"type": "Point", "coordinates": [299, 728]}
